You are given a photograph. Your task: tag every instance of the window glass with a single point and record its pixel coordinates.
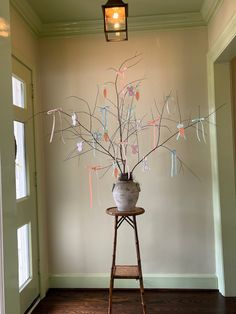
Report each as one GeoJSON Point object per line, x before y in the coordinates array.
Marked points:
{"type": "Point", "coordinates": [18, 92]}
{"type": "Point", "coordinates": [20, 162]}
{"type": "Point", "coordinates": [23, 255]}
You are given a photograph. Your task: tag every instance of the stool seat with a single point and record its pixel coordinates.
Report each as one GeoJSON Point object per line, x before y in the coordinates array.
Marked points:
{"type": "Point", "coordinates": [133, 212]}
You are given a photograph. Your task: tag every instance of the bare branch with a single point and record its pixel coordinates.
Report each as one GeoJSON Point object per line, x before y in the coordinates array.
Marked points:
{"type": "Point", "coordinates": [92, 128]}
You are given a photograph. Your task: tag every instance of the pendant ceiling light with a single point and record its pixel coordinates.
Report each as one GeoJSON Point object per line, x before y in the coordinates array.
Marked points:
{"type": "Point", "coordinates": [115, 14]}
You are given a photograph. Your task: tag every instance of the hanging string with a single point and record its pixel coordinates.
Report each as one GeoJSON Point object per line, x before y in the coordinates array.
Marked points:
{"type": "Point", "coordinates": [153, 123]}
{"type": "Point", "coordinates": [173, 163]}
{"type": "Point", "coordinates": [200, 124]}
{"type": "Point", "coordinates": [167, 101]}
{"type": "Point", "coordinates": [130, 111]}
{"type": "Point", "coordinates": [139, 125]}
{"type": "Point", "coordinates": [104, 111]}
{"type": "Point", "coordinates": [98, 190]}
{"type": "Point", "coordinates": [121, 73]}
{"type": "Point", "coordinates": [53, 113]}
{"type": "Point", "coordinates": [123, 146]}
{"type": "Point", "coordinates": [97, 136]}
{"type": "Point", "coordinates": [90, 170]}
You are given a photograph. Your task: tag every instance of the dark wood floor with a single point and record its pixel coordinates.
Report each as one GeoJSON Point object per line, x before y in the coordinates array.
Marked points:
{"type": "Point", "coordinates": [77, 301]}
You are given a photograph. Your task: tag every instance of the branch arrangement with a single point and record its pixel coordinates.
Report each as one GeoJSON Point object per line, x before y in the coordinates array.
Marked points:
{"type": "Point", "coordinates": [113, 129]}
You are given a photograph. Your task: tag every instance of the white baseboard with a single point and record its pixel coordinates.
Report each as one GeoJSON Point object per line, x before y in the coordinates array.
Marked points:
{"type": "Point", "coordinates": [151, 281]}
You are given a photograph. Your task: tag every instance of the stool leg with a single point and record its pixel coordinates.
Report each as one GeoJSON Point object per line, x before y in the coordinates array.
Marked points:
{"type": "Point", "coordinates": [139, 265]}
{"type": "Point", "coordinates": [113, 266]}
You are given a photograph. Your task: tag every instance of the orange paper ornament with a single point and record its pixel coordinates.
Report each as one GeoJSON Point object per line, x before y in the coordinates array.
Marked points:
{"type": "Point", "coordinates": [116, 172]}
{"type": "Point", "coordinates": [106, 137]}
{"type": "Point", "coordinates": [105, 92]}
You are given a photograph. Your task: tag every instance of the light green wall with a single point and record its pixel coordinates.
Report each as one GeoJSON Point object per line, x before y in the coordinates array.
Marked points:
{"type": "Point", "coordinates": [233, 74]}
{"type": "Point", "coordinates": [226, 170]}
{"type": "Point", "coordinates": [8, 204]}
{"type": "Point", "coordinates": [223, 167]}
{"type": "Point", "coordinates": [174, 210]}
{"type": "Point", "coordinates": [8, 169]}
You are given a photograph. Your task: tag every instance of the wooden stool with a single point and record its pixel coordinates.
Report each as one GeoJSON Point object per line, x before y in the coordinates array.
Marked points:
{"type": "Point", "coordinates": [126, 271]}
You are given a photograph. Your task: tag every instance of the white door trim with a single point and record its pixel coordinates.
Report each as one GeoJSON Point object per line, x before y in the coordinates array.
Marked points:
{"type": "Point", "coordinates": [2, 294]}
{"type": "Point", "coordinates": [220, 45]}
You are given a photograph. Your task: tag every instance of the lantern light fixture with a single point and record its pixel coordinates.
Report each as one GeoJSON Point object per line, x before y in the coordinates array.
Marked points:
{"type": "Point", "coordinates": [115, 13]}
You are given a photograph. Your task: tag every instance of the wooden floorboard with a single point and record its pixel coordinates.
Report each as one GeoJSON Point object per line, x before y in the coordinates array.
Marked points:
{"type": "Point", "coordinates": [78, 301]}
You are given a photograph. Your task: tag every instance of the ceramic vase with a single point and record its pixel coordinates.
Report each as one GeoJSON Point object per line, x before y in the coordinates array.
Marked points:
{"type": "Point", "coordinates": [125, 192]}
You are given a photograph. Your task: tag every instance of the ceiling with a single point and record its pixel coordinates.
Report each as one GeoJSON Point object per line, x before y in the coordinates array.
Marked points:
{"type": "Point", "coordinates": [75, 17]}
{"type": "Point", "coordinates": [74, 10]}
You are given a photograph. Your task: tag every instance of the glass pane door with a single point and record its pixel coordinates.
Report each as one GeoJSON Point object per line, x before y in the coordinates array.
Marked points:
{"type": "Point", "coordinates": [25, 185]}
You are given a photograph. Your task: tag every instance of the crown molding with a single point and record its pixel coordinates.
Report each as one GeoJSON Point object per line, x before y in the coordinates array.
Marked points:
{"type": "Point", "coordinates": [28, 15]}
{"type": "Point", "coordinates": [76, 28]}
{"type": "Point", "coordinates": [166, 21]}
{"type": "Point", "coordinates": [223, 41]}
{"type": "Point", "coordinates": [71, 28]}
{"type": "Point", "coordinates": [209, 9]}
{"type": "Point", "coordinates": [154, 22]}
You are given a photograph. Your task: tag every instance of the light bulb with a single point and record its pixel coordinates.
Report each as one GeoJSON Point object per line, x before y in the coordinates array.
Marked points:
{"type": "Point", "coordinates": [115, 15]}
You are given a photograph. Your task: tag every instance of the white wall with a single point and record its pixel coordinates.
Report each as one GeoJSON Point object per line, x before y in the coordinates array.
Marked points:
{"type": "Point", "coordinates": [176, 232]}
{"type": "Point", "coordinates": [25, 47]}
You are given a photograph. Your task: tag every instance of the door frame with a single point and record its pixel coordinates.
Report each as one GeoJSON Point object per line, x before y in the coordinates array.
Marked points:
{"type": "Point", "coordinates": [2, 303]}
{"type": "Point", "coordinates": [39, 140]}
{"type": "Point", "coordinates": [22, 114]}
{"type": "Point", "coordinates": [7, 172]}
{"type": "Point", "coordinates": [223, 245]}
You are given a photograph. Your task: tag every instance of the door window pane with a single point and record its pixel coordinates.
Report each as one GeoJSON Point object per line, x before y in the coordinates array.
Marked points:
{"type": "Point", "coordinates": [20, 164]}
{"type": "Point", "coordinates": [23, 255]}
{"type": "Point", "coordinates": [18, 92]}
